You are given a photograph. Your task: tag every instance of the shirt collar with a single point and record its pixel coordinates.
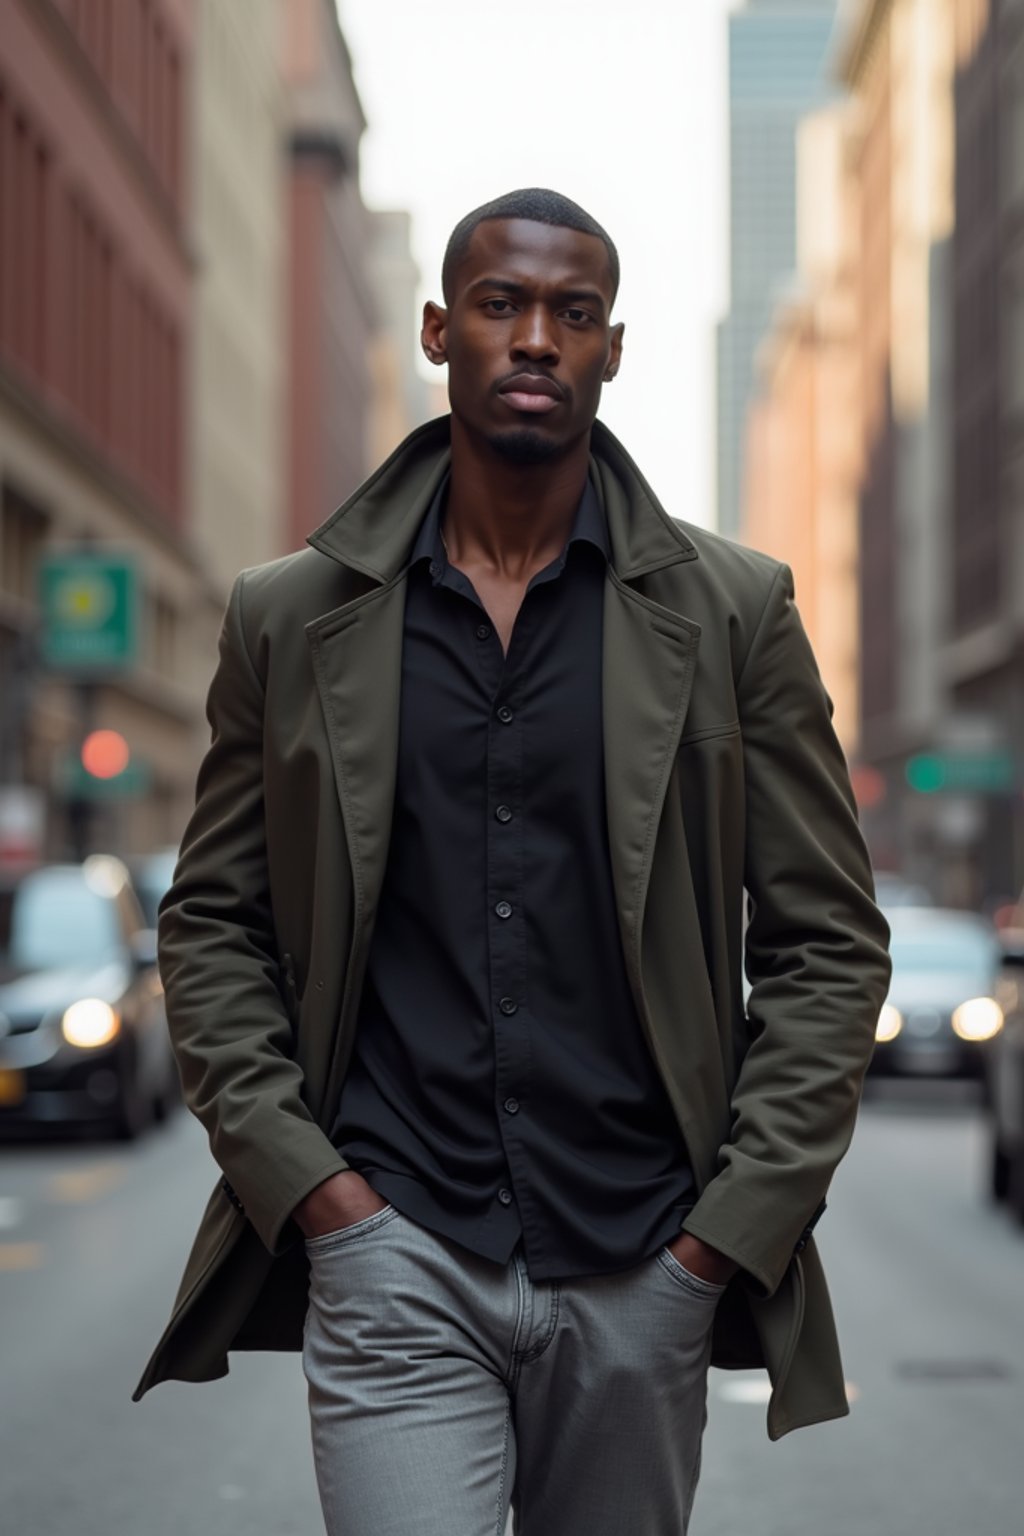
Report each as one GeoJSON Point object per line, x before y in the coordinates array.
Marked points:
{"type": "Point", "coordinates": [589, 524]}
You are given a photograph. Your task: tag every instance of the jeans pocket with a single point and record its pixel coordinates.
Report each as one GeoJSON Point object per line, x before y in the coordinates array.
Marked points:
{"type": "Point", "coordinates": [328, 1242]}
{"type": "Point", "coordinates": [696, 1285]}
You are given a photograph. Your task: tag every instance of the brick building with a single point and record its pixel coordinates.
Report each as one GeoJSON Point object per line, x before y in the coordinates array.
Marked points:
{"type": "Point", "coordinates": [96, 279]}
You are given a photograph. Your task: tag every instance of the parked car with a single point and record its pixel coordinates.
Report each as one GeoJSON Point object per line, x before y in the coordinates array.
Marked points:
{"type": "Point", "coordinates": [1006, 1078]}
{"type": "Point", "coordinates": [152, 875]}
{"type": "Point", "coordinates": [893, 890]}
{"type": "Point", "coordinates": [942, 1012]}
{"type": "Point", "coordinates": [83, 1031]}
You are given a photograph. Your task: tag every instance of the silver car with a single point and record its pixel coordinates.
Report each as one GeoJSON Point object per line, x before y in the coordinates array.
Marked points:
{"type": "Point", "coordinates": [942, 1011]}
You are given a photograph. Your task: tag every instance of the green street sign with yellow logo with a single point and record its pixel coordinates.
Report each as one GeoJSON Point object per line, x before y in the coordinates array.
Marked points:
{"type": "Point", "coordinates": [90, 611]}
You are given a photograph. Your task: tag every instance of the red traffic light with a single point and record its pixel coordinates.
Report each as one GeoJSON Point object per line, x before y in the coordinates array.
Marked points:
{"type": "Point", "coordinates": [868, 785]}
{"type": "Point", "coordinates": [105, 754]}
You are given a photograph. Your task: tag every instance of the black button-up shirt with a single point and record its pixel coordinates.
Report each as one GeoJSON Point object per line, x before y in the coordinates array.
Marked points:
{"type": "Point", "coordinates": [500, 1088]}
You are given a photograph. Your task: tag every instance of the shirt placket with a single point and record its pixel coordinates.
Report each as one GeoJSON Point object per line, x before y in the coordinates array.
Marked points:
{"type": "Point", "coordinates": [507, 834]}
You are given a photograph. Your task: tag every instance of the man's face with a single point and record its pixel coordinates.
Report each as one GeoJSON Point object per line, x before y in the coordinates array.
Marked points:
{"type": "Point", "coordinates": [527, 337]}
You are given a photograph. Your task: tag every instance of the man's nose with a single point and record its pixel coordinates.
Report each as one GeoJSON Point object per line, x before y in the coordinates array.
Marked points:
{"type": "Point", "coordinates": [534, 336]}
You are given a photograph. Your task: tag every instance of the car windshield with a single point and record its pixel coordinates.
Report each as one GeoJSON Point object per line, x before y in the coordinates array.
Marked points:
{"type": "Point", "coordinates": [58, 919]}
{"type": "Point", "coordinates": [943, 950]}
{"type": "Point", "coordinates": [152, 879]}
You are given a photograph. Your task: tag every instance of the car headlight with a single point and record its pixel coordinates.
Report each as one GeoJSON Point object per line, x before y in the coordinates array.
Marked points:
{"type": "Point", "coordinates": [89, 1023]}
{"type": "Point", "coordinates": [890, 1022]}
{"type": "Point", "coordinates": [978, 1019]}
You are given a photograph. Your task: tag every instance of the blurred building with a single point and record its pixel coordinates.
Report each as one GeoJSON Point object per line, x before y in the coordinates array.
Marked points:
{"type": "Point", "coordinates": [240, 373]}
{"type": "Point", "coordinates": [400, 393]}
{"type": "Point", "coordinates": [96, 280]}
{"type": "Point", "coordinates": [331, 303]}
{"type": "Point", "coordinates": [983, 654]}
{"type": "Point", "coordinates": [802, 462]}
{"type": "Point", "coordinates": [935, 716]}
{"type": "Point", "coordinates": [778, 58]}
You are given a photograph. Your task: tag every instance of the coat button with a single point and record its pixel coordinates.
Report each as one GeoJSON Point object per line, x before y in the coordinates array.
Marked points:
{"type": "Point", "coordinates": [505, 715]}
{"type": "Point", "coordinates": [508, 1005]}
{"type": "Point", "coordinates": [504, 909]}
{"type": "Point", "coordinates": [512, 1106]}
{"type": "Point", "coordinates": [505, 1196]}
{"type": "Point", "coordinates": [503, 814]}
{"type": "Point", "coordinates": [483, 632]}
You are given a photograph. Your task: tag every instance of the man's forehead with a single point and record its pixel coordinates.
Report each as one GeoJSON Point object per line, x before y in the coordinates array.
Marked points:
{"type": "Point", "coordinates": [524, 247]}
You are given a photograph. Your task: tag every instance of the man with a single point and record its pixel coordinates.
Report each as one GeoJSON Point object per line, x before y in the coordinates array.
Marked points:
{"type": "Point", "coordinates": [453, 953]}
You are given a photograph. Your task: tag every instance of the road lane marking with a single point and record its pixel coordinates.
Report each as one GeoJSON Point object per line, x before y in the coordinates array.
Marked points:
{"type": "Point", "coordinates": [745, 1389]}
{"type": "Point", "coordinates": [21, 1255]}
{"type": "Point", "coordinates": [10, 1211]}
{"type": "Point", "coordinates": [77, 1186]}
{"type": "Point", "coordinates": [757, 1390]}
{"type": "Point", "coordinates": [953, 1370]}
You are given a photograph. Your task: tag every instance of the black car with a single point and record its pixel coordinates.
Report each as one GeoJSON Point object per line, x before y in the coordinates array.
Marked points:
{"type": "Point", "coordinates": [1006, 1079]}
{"type": "Point", "coordinates": [83, 1031]}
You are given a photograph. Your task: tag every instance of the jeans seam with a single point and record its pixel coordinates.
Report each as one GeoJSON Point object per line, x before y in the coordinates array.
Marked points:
{"type": "Point", "coordinates": [512, 1368]}
{"type": "Point", "coordinates": [499, 1522]}
{"type": "Point", "coordinates": [549, 1332]}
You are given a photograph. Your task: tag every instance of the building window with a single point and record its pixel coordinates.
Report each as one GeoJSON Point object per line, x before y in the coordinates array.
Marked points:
{"type": "Point", "coordinates": [131, 46]}
{"type": "Point", "coordinates": [23, 528]}
{"type": "Point", "coordinates": [161, 631]}
{"type": "Point", "coordinates": [24, 236]}
{"type": "Point", "coordinates": [123, 374]}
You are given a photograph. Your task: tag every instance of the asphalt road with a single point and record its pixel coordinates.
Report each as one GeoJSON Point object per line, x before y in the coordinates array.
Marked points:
{"type": "Point", "coordinates": [928, 1283]}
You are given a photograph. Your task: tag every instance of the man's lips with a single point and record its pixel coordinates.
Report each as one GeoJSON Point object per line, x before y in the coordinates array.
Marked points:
{"type": "Point", "coordinates": [527, 392]}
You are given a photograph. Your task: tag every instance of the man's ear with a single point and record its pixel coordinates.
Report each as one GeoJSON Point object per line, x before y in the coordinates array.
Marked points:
{"type": "Point", "coordinates": [615, 351]}
{"type": "Point", "coordinates": [434, 335]}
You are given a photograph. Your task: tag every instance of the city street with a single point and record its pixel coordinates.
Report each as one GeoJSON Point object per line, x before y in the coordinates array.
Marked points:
{"type": "Point", "coordinates": [928, 1283]}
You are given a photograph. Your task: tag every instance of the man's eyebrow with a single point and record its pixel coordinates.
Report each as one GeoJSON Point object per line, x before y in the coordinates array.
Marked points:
{"type": "Point", "coordinates": [516, 290]}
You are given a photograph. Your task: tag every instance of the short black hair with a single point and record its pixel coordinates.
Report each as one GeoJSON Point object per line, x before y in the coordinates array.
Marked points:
{"type": "Point", "coordinates": [540, 206]}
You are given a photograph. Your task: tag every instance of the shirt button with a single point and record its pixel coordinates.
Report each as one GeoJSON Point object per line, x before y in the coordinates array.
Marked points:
{"type": "Point", "coordinates": [483, 632]}
{"type": "Point", "coordinates": [504, 909]}
{"type": "Point", "coordinates": [512, 1105]}
{"type": "Point", "coordinates": [505, 1196]}
{"type": "Point", "coordinates": [503, 813]}
{"type": "Point", "coordinates": [505, 715]}
{"type": "Point", "coordinates": [508, 1005]}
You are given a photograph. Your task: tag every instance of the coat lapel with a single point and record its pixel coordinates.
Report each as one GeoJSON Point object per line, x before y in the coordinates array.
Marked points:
{"type": "Point", "coordinates": [650, 654]}
{"type": "Point", "coordinates": [357, 662]}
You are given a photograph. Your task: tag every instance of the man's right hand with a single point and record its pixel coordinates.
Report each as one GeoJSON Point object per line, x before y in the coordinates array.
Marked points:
{"type": "Point", "coordinates": [338, 1202]}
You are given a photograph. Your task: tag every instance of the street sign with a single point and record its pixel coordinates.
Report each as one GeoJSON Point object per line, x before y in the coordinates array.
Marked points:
{"type": "Point", "coordinates": [962, 773]}
{"type": "Point", "coordinates": [90, 611]}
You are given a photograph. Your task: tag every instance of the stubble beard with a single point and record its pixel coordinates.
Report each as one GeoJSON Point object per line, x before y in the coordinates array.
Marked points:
{"type": "Point", "coordinates": [524, 445]}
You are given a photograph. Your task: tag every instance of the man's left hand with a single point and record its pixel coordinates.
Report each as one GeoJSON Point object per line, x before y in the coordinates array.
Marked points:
{"type": "Point", "coordinates": [702, 1260]}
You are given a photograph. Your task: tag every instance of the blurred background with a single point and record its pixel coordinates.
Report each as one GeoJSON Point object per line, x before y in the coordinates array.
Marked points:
{"type": "Point", "coordinates": [219, 220]}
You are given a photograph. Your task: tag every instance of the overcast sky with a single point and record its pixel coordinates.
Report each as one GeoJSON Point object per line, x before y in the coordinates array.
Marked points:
{"type": "Point", "coordinates": [621, 105]}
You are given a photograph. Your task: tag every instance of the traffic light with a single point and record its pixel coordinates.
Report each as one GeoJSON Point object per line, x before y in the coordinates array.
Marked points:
{"type": "Point", "coordinates": [105, 754]}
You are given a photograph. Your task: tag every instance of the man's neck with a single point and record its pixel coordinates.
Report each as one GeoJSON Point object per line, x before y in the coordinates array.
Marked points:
{"type": "Point", "coordinates": [512, 518]}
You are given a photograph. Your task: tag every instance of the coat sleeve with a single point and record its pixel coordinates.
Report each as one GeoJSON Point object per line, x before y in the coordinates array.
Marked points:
{"type": "Point", "coordinates": [229, 1025]}
{"type": "Point", "coordinates": [816, 958]}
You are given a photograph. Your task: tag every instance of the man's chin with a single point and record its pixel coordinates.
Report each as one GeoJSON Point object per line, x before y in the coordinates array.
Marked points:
{"type": "Point", "coordinates": [525, 445]}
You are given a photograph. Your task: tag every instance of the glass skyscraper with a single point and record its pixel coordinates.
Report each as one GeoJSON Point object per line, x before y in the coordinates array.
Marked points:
{"type": "Point", "coordinates": [778, 71]}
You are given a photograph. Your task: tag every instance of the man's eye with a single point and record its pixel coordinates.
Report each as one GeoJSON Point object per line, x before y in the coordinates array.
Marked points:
{"type": "Point", "coordinates": [497, 306]}
{"type": "Point", "coordinates": [577, 316]}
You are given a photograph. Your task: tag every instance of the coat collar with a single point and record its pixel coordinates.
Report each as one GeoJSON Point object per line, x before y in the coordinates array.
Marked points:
{"type": "Point", "coordinates": [375, 530]}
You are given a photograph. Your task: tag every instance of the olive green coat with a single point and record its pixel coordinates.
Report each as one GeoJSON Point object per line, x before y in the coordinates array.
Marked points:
{"type": "Point", "coordinates": [723, 775]}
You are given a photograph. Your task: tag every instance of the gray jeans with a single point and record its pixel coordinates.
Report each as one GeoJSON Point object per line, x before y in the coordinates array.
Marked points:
{"type": "Point", "coordinates": [444, 1389]}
